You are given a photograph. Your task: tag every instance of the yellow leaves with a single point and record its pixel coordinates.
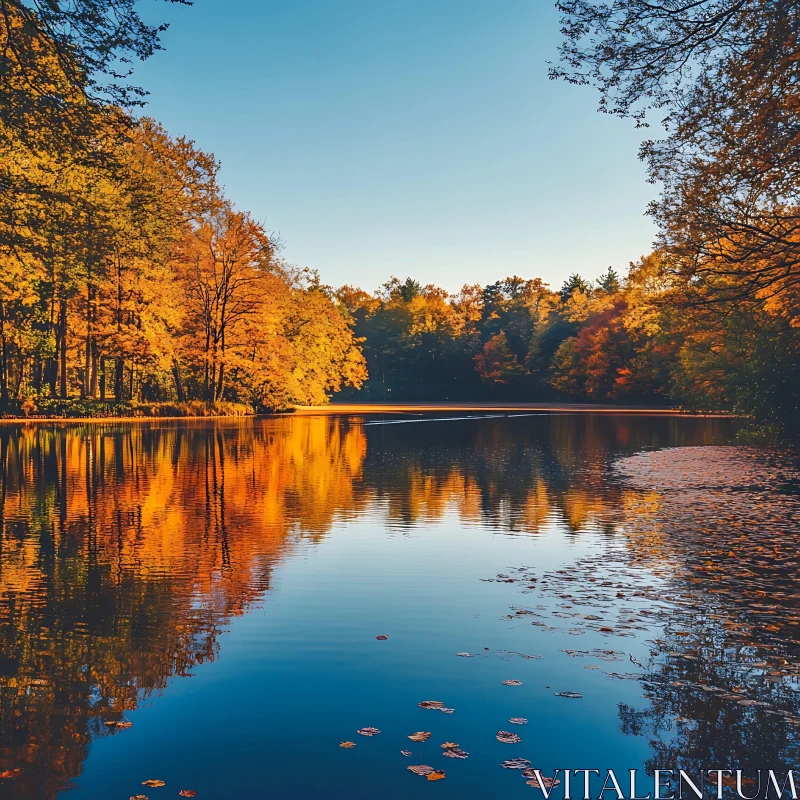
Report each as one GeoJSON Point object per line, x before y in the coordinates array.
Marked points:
{"type": "Point", "coordinates": [153, 783]}
{"type": "Point", "coordinates": [436, 775]}
{"type": "Point", "coordinates": [9, 774]}
{"type": "Point", "coordinates": [347, 745]}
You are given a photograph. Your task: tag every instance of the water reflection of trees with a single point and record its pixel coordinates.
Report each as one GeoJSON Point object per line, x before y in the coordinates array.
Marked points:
{"type": "Point", "coordinates": [724, 682]}
{"type": "Point", "coordinates": [516, 474]}
{"type": "Point", "coordinates": [126, 549]}
{"type": "Point", "coordinates": [123, 552]}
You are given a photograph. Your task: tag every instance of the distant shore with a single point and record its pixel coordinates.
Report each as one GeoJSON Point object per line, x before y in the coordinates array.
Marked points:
{"type": "Point", "coordinates": [163, 412]}
{"type": "Point", "coordinates": [455, 407]}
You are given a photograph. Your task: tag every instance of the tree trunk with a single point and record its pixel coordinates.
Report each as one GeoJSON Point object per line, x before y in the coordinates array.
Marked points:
{"type": "Point", "coordinates": [221, 382]}
{"type": "Point", "coordinates": [176, 374]}
{"type": "Point", "coordinates": [119, 379]}
{"type": "Point", "coordinates": [60, 360]}
{"type": "Point", "coordinates": [93, 369]}
{"type": "Point", "coordinates": [36, 374]}
{"type": "Point", "coordinates": [103, 378]}
{"type": "Point", "coordinates": [3, 356]}
{"type": "Point", "coordinates": [20, 376]}
{"type": "Point", "coordinates": [64, 386]}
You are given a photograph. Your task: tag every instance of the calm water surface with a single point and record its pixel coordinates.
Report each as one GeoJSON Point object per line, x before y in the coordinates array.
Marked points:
{"type": "Point", "coordinates": [220, 585]}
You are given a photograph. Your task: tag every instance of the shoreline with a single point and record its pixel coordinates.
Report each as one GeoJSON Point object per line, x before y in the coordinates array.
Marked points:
{"type": "Point", "coordinates": [356, 409]}
{"type": "Point", "coordinates": [545, 408]}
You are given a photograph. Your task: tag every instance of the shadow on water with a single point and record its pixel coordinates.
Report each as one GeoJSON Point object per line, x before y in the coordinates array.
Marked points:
{"type": "Point", "coordinates": [126, 549]}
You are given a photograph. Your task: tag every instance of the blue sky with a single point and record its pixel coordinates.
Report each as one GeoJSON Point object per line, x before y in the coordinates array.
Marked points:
{"type": "Point", "coordinates": [413, 137]}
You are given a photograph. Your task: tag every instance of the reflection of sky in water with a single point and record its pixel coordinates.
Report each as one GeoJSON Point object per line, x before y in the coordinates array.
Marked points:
{"type": "Point", "coordinates": [262, 558]}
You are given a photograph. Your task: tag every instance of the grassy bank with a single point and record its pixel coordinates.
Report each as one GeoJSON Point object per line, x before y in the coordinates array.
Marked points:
{"type": "Point", "coordinates": [77, 408]}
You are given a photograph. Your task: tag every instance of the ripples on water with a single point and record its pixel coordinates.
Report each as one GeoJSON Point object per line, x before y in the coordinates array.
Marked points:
{"type": "Point", "coordinates": [262, 557]}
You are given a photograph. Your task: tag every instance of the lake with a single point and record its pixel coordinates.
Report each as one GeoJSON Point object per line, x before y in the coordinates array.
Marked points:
{"type": "Point", "coordinates": [199, 603]}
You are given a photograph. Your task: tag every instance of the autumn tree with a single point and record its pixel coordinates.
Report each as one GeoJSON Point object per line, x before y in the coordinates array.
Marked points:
{"type": "Point", "coordinates": [223, 263]}
{"type": "Point", "coordinates": [724, 76]}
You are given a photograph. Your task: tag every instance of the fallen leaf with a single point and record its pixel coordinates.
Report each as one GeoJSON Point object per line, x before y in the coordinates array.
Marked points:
{"type": "Point", "coordinates": [729, 780]}
{"type": "Point", "coordinates": [347, 745]}
{"type": "Point", "coordinates": [547, 783]}
{"type": "Point", "coordinates": [516, 763]}
{"type": "Point", "coordinates": [11, 773]}
{"type": "Point", "coordinates": [405, 752]}
{"type": "Point", "coordinates": [139, 797]}
{"type": "Point", "coordinates": [431, 704]}
{"type": "Point", "coordinates": [518, 720]}
{"type": "Point", "coordinates": [421, 769]}
{"type": "Point", "coordinates": [382, 638]}
{"type": "Point", "coordinates": [187, 793]}
{"type": "Point", "coordinates": [464, 655]}
{"type": "Point", "coordinates": [436, 775]}
{"type": "Point", "coordinates": [420, 736]}
{"type": "Point", "coordinates": [512, 683]}
{"type": "Point", "coordinates": [455, 752]}
{"type": "Point", "coordinates": [571, 695]}
{"type": "Point", "coordinates": [506, 737]}
{"type": "Point", "coordinates": [447, 710]}
{"type": "Point", "coordinates": [449, 745]}
{"type": "Point", "coordinates": [154, 783]}
{"type": "Point", "coordinates": [368, 731]}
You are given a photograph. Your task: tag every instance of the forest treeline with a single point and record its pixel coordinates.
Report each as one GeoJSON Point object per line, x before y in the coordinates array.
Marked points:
{"type": "Point", "coordinates": [125, 272]}
{"type": "Point", "coordinates": [630, 339]}
{"type": "Point", "coordinates": [127, 275]}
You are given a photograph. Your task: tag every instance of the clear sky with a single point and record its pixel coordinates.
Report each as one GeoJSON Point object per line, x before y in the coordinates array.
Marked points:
{"type": "Point", "coordinates": [405, 137]}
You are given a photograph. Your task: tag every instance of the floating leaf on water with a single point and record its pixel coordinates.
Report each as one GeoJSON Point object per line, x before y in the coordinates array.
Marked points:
{"type": "Point", "coordinates": [10, 773]}
{"type": "Point", "coordinates": [187, 793]}
{"type": "Point", "coordinates": [431, 704]}
{"type": "Point", "coordinates": [591, 666]}
{"type": "Point", "coordinates": [516, 763]}
{"type": "Point", "coordinates": [455, 752]}
{"type": "Point", "coordinates": [153, 783]}
{"type": "Point", "coordinates": [139, 797]}
{"type": "Point", "coordinates": [518, 720]}
{"type": "Point", "coordinates": [570, 695]}
{"type": "Point", "coordinates": [405, 753]}
{"type": "Point", "coordinates": [546, 783]}
{"type": "Point", "coordinates": [436, 775]}
{"type": "Point", "coordinates": [347, 745]}
{"type": "Point", "coordinates": [382, 638]}
{"type": "Point", "coordinates": [506, 737]}
{"type": "Point", "coordinates": [449, 745]}
{"type": "Point", "coordinates": [368, 731]}
{"type": "Point", "coordinates": [124, 724]}
{"type": "Point", "coordinates": [421, 769]}
{"type": "Point", "coordinates": [420, 736]}
{"type": "Point", "coordinates": [447, 710]}
{"type": "Point", "coordinates": [730, 781]}
{"type": "Point", "coordinates": [512, 683]}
